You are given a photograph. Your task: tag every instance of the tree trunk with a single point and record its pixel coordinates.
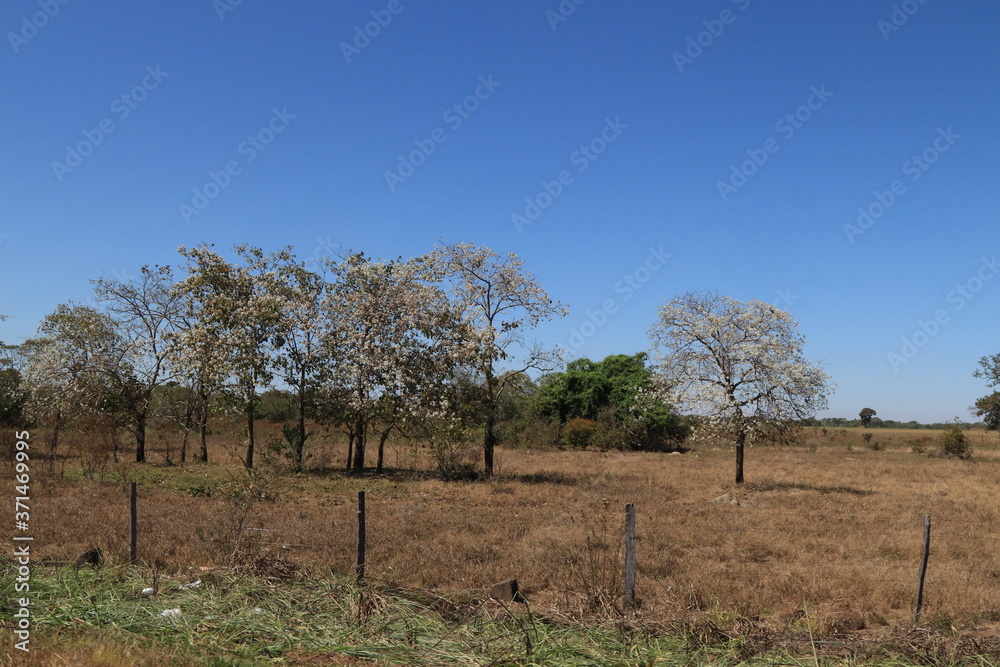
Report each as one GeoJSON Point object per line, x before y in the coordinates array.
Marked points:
{"type": "Point", "coordinates": [300, 442]}
{"type": "Point", "coordinates": [203, 454]}
{"type": "Point", "coordinates": [54, 441]}
{"type": "Point", "coordinates": [140, 437]}
{"type": "Point", "coordinates": [188, 415]}
{"type": "Point", "coordinates": [489, 438]}
{"type": "Point", "coordinates": [741, 438]}
{"type": "Point", "coordinates": [489, 443]}
{"type": "Point", "coordinates": [350, 448]}
{"type": "Point", "coordinates": [381, 449]}
{"type": "Point", "coordinates": [359, 445]}
{"type": "Point", "coordinates": [250, 441]}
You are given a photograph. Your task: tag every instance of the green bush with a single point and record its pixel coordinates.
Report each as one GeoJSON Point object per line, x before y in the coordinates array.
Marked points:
{"type": "Point", "coordinates": [277, 406]}
{"type": "Point", "coordinates": [953, 444]}
{"type": "Point", "coordinates": [577, 432]}
{"type": "Point", "coordinates": [607, 436]}
{"type": "Point", "coordinates": [873, 445]}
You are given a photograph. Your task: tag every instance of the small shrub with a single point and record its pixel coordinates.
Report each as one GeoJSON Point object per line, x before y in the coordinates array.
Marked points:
{"type": "Point", "coordinates": [953, 444]}
{"type": "Point", "coordinates": [230, 540]}
{"type": "Point", "coordinates": [546, 434]}
{"type": "Point", "coordinates": [606, 437]}
{"type": "Point", "coordinates": [454, 453]}
{"type": "Point", "coordinates": [873, 445]}
{"type": "Point", "coordinates": [578, 432]}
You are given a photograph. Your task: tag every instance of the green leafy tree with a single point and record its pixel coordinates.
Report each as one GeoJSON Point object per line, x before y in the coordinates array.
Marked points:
{"type": "Point", "coordinates": [989, 370]}
{"type": "Point", "coordinates": [13, 397]}
{"type": "Point", "coordinates": [866, 415]}
{"type": "Point", "coordinates": [618, 390]}
{"type": "Point", "coordinates": [988, 407]}
{"type": "Point", "coordinates": [953, 443]}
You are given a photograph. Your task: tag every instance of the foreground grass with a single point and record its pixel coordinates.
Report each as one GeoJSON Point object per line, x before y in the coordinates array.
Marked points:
{"type": "Point", "coordinates": [776, 571]}
{"type": "Point", "coordinates": [98, 617]}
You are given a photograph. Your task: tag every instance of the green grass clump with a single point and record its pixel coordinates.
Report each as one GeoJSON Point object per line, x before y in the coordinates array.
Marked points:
{"type": "Point", "coordinates": [243, 620]}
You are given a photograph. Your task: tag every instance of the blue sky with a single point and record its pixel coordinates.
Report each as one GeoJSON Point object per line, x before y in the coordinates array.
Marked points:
{"type": "Point", "coordinates": [833, 100]}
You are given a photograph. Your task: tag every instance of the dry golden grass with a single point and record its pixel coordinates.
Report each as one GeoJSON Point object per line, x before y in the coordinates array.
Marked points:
{"type": "Point", "coordinates": [818, 527]}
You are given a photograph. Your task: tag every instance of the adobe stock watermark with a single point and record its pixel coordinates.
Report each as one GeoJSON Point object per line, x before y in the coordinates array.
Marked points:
{"type": "Point", "coordinates": [698, 43]}
{"type": "Point", "coordinates": [624, 290]}
{"type": "Point", "coordinates": [914, 169]}
{"type": "Point", "coordinates": [365, 33]}
{"type": "Point", "coordinates": [21, 562]}
{"type": "Point", "coordinates": [249, 149]}
{"type": "Point", "coordinates": [899, 17]}
{"type": "Point", "coordinates": [31, 25]}
{"type": "Point", "coordinates": [581, 159]}
{"type": "Point", "coordinates": [325, 248]}
{"type": "Point", "coordinates": [562, 12]}
{"type": "Point", "coordinates": [786, 299]}
{"type": "Point", "coordinates": [223, 7]}
{"type": "Point", "coordinates": [122, 107]}
{"type": "Point", "coordinates": [454, 116]}
{"type": "Point", "coordinates": [786, 127]}
{"type": "Point", "coordinates": [957, 298]}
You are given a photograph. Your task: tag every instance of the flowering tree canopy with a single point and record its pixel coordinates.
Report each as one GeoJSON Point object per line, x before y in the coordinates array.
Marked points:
{"type": "Point", "coordinates": [144, 311]}
{"type": "Point", "coordinates": [302, 359]}
{"type": "Point", "coordinates": [499, 300]}
{"type": "Point", "coordinates": [740, 364]}
{"type": "Point", "coordinates": [235, 312]}
{"type": "Point", "coordinates": [77, 368]}
{"type": "Point", "coordinates": [394, 339]}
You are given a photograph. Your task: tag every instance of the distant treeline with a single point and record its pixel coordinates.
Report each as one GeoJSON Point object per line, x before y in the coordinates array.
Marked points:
{"type": "Point", "coordinates": [840, 422]}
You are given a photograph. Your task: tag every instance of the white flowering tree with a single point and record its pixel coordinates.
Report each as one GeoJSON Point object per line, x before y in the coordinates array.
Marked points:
{"type": "Point", "coordinates": [145, 310]}
{"type": "Point", "coordinates": [77, 370]}
{"type": "Point", "coordinates": [238, 310]}
{"type": "Point", "coordinates": [200, 367]}
{"type": "Point", "coordinates": [302, 359]}
{"type": "Point", "coordinates": [499, 301]}
{"type": "Point", "coordinates": [739, 364]}
{"type": "Point", "coordinates": [393, 338]}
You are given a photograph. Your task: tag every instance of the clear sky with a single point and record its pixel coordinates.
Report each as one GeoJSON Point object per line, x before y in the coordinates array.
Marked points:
{"type": "Point", "coordinates": [668, 147]}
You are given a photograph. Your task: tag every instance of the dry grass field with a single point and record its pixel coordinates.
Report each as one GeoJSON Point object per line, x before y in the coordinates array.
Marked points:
{"type": "Point", "coordinates": [819, 525]}
{"type": "Point", "coordinates": [824, 536]}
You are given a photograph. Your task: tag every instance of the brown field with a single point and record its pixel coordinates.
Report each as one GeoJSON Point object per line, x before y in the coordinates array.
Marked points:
{"type": "Point", "coordinates": [829, 527]}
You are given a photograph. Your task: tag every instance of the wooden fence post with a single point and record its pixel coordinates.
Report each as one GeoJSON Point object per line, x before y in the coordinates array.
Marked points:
{"type": "Point", "coordinates": [630, 554]}
{"type": "Point", "coordinates": [923, 568]}
{"type": "Point", "coordinates": [359, 568]}
{"type": "Point", "coordinates": [133, 526]}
